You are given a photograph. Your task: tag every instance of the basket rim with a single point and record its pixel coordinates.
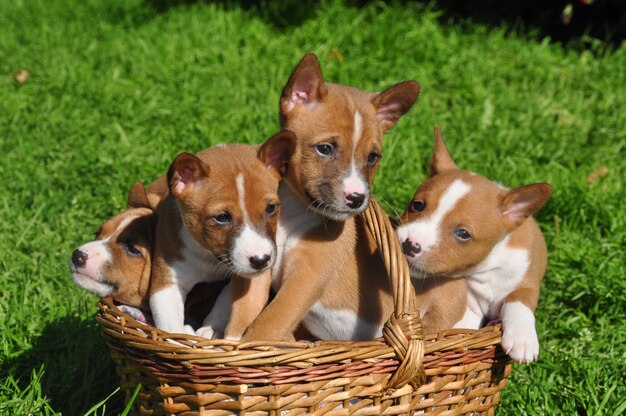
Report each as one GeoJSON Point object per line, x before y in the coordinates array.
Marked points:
{"type": "Point", "coordinates": [192, 348]}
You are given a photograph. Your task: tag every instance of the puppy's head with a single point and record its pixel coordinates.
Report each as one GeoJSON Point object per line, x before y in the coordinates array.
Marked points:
{"type": "Point", "coordinates": [456, 217]}
{"type": "Point", "coordinates": [117, 262]}
{"type": "Point", "coordinates": [339, 132]}
{"type": "Point", "coordinates": [228, 200]}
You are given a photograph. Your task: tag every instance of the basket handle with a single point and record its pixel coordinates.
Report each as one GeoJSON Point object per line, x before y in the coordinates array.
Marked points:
{"type": "Point", "coordinates": [403, 331]}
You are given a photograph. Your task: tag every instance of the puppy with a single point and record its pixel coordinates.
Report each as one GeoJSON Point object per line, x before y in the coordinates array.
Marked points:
{"type": "Point", "coordinates": [328, 275]}
{"type": "Point", "coordinates": [219, 220]}
{"type": "Point", "coordinates": [117, 262]}
{"type": "Point", "coordinates": [460, 225]}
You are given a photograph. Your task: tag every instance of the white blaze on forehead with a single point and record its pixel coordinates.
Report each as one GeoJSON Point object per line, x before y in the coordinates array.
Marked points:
{"type": "Point", "coordinates": [357, 132]}
{"type": "Point", "coordinates": [354, 182]}
{"type": "Point", "coordinates": [426, 232]}
{"type": "Point", "coordinates": [249, 243]}
{"type": "Point", "coordinates": [241, 193]}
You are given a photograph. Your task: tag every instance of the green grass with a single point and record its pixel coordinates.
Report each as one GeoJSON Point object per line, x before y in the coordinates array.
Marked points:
{"type": "Point", "coordinates": [118, 88]}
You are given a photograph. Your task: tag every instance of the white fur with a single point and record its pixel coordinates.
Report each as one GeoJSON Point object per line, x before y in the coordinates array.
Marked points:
{"type": "Point", "coordinates": [168, 309]}
{"type": "Point", "coordinates": [495, 278]}
{"type": "Point", "coordinates": [293, 223]}
{"type": "Point", "coordinates": [357, 132]}
{"type": "Point", "coordinates": [354, 182]}
{"type": "Point", "coordinates": [198, 265]}
{"type": "Point", "coordinates": [519, 337]}
{"type": "Point", "coordinates": [241, 194]}
{"type": "Point", "coordinates": [100, 288]}
{"type": "Point", "coordinates": [215, 322]}
{"type": "Point", "coordinates": [250, 244]}
{"type": "Point", "coordinates": [470, 320]}
{"type": "Point", "coordinates": [426, 232]}
{"type": "Point", "coordinates": [327, 323]}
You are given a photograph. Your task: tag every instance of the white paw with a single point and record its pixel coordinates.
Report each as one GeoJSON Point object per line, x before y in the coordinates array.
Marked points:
{"type": "Point", "coordinates": [520, 343]}
{"type": "Point", "coordinates": [189, 330]}
{"type": "Point", "coordinates": [208, 332]}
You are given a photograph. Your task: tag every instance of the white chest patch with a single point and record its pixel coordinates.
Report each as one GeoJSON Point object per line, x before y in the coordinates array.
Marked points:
{"type": "Point", "coordinates": [294, 222]}
{"type": "Point", "coordinates": [426, 232]}
{"type": "Point", "coordinates": [495, 278]}
{"type": "Point", "coordinates": [327, 323]}
{"type": "Point", "coordinates": [197, 265]}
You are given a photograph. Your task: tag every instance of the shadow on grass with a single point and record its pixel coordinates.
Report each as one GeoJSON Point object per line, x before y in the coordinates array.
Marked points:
{"type": "Point", "coordinates": [568, 22]}
{"type": "Point", "coordinates": [77, 369]}
{"type": "Point", "coordinates": [281, 14]}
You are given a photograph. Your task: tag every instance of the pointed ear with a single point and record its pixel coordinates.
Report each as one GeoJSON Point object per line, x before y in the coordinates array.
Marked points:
{"type": "Point", "coordinates": [277, 150]}
{"type": "Point", "coordinates": [184, 173]}
{"type": "Point", "coordinates": [305, 85]}
{"type": "Point", "coordinates": [441, 159]}
{"type": "Point", "coordinates": [137, 197]}
{"type": "Point", "coordinates": [392, 103]}
{"type": "Point", "coordinates": [520, 203]}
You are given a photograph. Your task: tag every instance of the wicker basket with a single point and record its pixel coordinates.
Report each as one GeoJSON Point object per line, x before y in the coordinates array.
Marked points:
{"type": "Point", "coordinates": [453, 372]}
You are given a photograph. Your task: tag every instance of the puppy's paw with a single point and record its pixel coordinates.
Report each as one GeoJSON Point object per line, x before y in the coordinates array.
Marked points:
{"type": "Point", "coordinates": [208, 332]}
{"type": "Point", "coordinates": [520, 343]}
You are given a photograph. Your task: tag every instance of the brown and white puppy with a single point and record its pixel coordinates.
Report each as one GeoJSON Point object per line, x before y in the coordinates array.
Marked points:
{"type": "Point", "coordinates": [328, 275]}
{"type": "Point", "coordinates": [460, 225]}
{"type": "Point", "coordinates": [218, 221]}
{"type": "Point", "coordinates": [117, 262]}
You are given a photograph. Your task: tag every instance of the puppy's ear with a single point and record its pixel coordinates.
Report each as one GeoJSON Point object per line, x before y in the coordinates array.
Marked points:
{"type": "Point", "coordinates": [441, 159]}
{"type": "Point", "coordinates": [277, 150]}
{"type": "Point", "coordinates": [137, 197]}
{"type": "Point", "coordinates": [185, 173]}
{"type": "Point", "coordinates": [520, 203]}
{"type": "Point", "coordinates": [392, 103]}
{"type": "Point", "coordinates": [305, 85]}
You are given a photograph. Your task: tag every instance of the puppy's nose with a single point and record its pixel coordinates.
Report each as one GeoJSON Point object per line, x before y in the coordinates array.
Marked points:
{"type": "Point", "coordinates": [355, 200]}
{"type": "Point", "coordinates": [409, 248]}
{"type": "Point", "coordinates": [259, 262]}
{"type": "Point", "coordinates": [79, 258]}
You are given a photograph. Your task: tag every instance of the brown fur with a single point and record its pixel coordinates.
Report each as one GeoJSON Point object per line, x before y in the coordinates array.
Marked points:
{"type": "Point", "coordinates": [489, 213]}
{"type": "Point", "coordinates": [336, 262]}
{"type": "Point", "coordinates": [201, 187]}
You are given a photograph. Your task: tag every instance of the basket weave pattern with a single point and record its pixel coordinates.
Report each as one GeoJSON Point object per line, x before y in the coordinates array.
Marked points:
{"type": "Point", "coordinates": [454, 372]}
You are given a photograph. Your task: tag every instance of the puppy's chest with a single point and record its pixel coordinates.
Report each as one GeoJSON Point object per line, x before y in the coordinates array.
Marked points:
{"type": "Point", "coordinates": [294, 223]}
{"type": "Point", "coordinates": [496, 277]}
{"type": "Point", "coordinates": [197, 264]}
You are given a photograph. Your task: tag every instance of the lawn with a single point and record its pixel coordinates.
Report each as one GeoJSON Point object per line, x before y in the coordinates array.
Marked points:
{"type": "Point", "coordinates": [116, 89]}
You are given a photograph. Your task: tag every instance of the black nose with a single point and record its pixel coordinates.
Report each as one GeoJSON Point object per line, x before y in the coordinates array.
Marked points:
{"type": "Point", "coordinates": [409, 248]}
{"type": "Point", "coordinates": [355, 199]}
{"type": "Point", "coordinates": [259, 262]}
{"type": "Point", "coordinates": [79, 258]}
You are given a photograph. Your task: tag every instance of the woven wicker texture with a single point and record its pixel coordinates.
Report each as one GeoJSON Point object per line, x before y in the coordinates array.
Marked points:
{"type": "Point", "coordinates": [453, 372]}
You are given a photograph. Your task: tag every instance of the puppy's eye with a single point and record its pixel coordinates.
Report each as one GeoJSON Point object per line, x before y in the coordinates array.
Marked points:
{"type": "Point", "coordinates": [132, 250]}
{"type": "Point", "coordinates": [462, 234]}
{"type": "Point", "coordinates": [96, 235]}
{"type": "Point", "coordinates": [270, 209]}
{"type": "Point", "coordinates": [222, 218]}
{"type": "Point", "coordinates": [417, 206]}
{"type": "Point", "coordinates": [324, 149]}
{"type": "Point", "coordinates": [372, 158]}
